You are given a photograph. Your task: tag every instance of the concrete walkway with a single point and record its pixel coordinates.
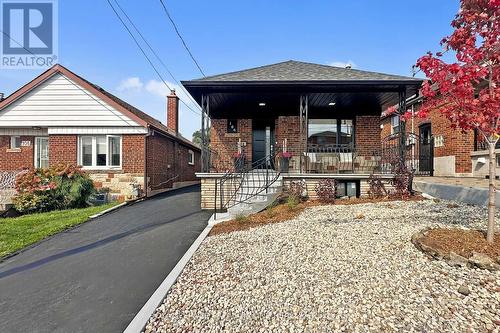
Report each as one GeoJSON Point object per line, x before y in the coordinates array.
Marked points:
{"type": "Point", "coordinates": [96, 277]}
{"type": "Point", "coordinates": [473, 191]}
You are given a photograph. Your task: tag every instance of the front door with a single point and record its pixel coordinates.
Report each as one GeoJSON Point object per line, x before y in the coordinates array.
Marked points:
{"type": "Point", "coordinates": [425, 151]}
{"type": "Point", "coordinates": [263, 140]}
{"type": "Point", "coordinates": [41, 152]}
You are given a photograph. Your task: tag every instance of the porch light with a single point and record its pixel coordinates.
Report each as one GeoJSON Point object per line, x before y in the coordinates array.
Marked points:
{"type": "Point", "coordinates": [262, 104]}
{"type": "Point", "coordinates": [331, 103]}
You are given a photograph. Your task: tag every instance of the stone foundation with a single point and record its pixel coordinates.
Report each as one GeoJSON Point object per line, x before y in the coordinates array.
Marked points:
{"type": "Point", "coordinates": [119, 184]}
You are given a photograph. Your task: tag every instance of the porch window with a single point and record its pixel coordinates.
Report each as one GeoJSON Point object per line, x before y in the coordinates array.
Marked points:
{"type": "Point", "coordinates": [395, 124]}
{"type": "Point", "coordinates": [331, 132]}
{"type": "Point", "coordinates": [100, 151]}
{"type": "Point", "coordinates": [232, 126]}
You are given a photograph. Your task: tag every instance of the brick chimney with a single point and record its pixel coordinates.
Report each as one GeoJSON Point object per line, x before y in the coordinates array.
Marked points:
{"type": "Point", "coordinates": [173, 111]}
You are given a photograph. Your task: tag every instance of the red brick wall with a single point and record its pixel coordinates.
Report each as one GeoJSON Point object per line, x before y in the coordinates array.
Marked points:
{"type": "Point", "coordinates": [63, 149]}
{"type": "Point", "coordinates": [226, 144]}
{"type": "Point", "coordinates": [133, 153]}
{"type": "Point", "coordinates": [11, 160]}
{"type": "Point", "coordinates": [456, 142]}
{"type": "Point", "coordinates": [367, 135]}
{"type": "Point", "coordinates": [289, 127]}
{"type": "Point", "coordinates": [167, 162]}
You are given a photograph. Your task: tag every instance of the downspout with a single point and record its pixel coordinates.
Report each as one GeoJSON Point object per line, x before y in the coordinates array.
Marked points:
{"type": "Point", "coordinates": [150, 133]}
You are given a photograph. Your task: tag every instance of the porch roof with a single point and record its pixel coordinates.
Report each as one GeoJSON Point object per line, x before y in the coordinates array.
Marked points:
{"type": "Point", "coordinates": [279, 85]}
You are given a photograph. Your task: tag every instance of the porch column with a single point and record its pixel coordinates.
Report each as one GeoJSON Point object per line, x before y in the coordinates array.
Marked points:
{"type": "Point", "coordinates": [205, 140]}
{"type": "Point", "coordinates": [303, 117]}
{"type": "Point", "coordinates": [402, 124]}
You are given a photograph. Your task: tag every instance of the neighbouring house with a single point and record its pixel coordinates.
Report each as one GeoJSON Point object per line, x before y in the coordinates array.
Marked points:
{"type": "Point", "coordinates": [304, 121]}
{"type": "Point", "coordinates": [453, 152]}
{"type": "Point", "coordinates": [59, 117]}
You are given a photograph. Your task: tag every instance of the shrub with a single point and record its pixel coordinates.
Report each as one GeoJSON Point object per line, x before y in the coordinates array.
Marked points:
{"type": "Point", "coordinates": [292, 202]}
{"type": "Point", "coordinates": [326, 190]}
{"type": "Point", "coordinates": [297, 189]}
{"type": "Point", "coordinates": [376, 187]}
{"type": "Point", "coordinates": [402, 180]}
{"type": "Point", "coordinates": [60, 187]}
{"type": "Point", "coordinates": [241, 218]}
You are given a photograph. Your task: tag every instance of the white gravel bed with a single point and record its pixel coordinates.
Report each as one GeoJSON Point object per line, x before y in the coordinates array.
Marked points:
{"type": "Point", "coordinates": [332, 270]}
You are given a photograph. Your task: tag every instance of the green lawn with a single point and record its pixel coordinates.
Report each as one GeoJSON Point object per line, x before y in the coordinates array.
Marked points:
{"type": "Point", "coordinates": [19, 232]}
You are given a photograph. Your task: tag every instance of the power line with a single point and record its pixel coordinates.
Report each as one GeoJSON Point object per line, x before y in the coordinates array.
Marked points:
{"type": "Point", "coordinates": [155, 54]}
{"type": "Point", "coordinates": [181, 38]}
{"type": "Point", "coordinates": [69, 80]}
{"type": "Point", "coordinates": [146, 56]}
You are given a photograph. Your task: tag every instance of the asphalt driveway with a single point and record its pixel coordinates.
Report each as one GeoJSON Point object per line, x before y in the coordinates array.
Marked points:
{"type": "Point", "coordinates": [95, 278]}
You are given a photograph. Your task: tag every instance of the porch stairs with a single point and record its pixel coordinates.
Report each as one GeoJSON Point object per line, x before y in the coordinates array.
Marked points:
{"type": "Point", "coordinates": [258, 189]}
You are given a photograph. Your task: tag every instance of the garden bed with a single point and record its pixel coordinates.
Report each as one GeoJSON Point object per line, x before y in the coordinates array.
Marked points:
{"type": "Point", "coordinates": [287, 211]}
{"type": "Point", "coordinates": [460, 247]}
{"type": "Point", "coordinates": [336, 268]}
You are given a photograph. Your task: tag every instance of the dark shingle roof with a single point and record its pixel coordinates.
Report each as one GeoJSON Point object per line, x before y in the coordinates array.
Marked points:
{"type": "Point", "coordinates": [302, 71]}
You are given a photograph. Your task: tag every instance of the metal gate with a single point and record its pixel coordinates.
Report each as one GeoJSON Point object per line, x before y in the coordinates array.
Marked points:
{"type": "Point", "coordinates": [417, 151]}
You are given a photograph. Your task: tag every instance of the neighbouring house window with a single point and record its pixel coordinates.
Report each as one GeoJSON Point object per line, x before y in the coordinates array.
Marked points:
{"type": "Point", "coordinates": [100, 151]}
{"type": "Point", "coordinates": [190, 157]}
{"type": "Point", "coordinates": [232, 125]}
{"type": "Point", "coordinates": [438, 141]}
{"type": "Point", "coordinates": [395, 124]}
{"type": "Point", "coordinates": [324, 132]}
{"type": "Point", "coordinates": [498, 161]}
{"type": "Point", "coordinates": [15, 142]}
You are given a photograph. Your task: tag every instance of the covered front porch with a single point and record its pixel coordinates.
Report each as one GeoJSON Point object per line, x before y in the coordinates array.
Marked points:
{"type": "Point", "coordinates": [295, 121]}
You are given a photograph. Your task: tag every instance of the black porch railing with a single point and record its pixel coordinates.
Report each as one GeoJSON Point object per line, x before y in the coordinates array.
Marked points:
{"type": "Point", "coordinates": [247, 181]}
{"type": "Point", "coordinates": [341, 159]}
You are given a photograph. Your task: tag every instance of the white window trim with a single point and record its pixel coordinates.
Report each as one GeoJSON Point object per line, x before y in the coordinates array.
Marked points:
{"type": "Point", "coordinates": [392, 125]}
{"type": "Point", "coordinates": [12, 141]}
{"type": "Point", "coordinates": [94, 155]}
{"type": "Point", "coordinates": [191, 157]}
{"type": "Point", "coordinates": [35, 148]}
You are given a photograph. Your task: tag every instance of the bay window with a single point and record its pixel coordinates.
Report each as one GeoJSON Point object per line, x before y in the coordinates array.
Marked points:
{"type": "Point", "coordinates": [100, 151]}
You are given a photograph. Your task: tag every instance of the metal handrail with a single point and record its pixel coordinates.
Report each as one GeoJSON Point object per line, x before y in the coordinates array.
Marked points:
{"type": "Point", "coordinates": [245, 182]}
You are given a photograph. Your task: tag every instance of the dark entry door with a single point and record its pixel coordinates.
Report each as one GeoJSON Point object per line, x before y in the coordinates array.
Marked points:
{"type": "Point", "coordinates": [263, 139]}
{"type": "Point", "coordinates": [425, 151]}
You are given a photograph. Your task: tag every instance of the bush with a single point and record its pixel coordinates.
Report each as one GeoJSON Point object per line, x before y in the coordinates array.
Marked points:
{"type": "Point", "coordinates": [55, 188]}
{"type": "Point", "coordinates": [326, 190]}
{"type": "Point", "coordinates": [402, 180]}
{"type": "Point", "coordinates": [377, 187]}
{"type": "Point", "coordinates": [297, 189]}
{"type": "Point", "coordinates": [292, 202]}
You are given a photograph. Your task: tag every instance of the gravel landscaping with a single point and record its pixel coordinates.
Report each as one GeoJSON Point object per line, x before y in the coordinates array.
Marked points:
{"type": "Point", "coordinates": [334, 268]}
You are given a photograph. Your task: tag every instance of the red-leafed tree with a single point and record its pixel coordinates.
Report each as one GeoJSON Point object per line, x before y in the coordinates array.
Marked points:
{"type": "Point", "coordinates": [467, 91]}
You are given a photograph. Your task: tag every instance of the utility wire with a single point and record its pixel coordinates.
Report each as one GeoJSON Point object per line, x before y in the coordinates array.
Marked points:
{"type": "Point", "coordinates": [154, 52]}
{"type": "Point", "coordinates": [146, 56]}
{"type": "Point", "coordinates": [181, 38]}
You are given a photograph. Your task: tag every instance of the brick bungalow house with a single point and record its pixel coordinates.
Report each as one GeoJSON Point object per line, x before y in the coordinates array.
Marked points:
{"type": "Point", "coordinates": [327, 118]}
{"type": "Point", "coordinates": [59, 117]}
{"type": "Point", "coordinates": [455, 153]}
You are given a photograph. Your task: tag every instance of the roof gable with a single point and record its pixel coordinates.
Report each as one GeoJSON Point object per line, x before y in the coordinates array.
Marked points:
{"type": "Point", "coordinates": [117, 111]}
{"type": "Point", "coordinates": [303, 71]}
